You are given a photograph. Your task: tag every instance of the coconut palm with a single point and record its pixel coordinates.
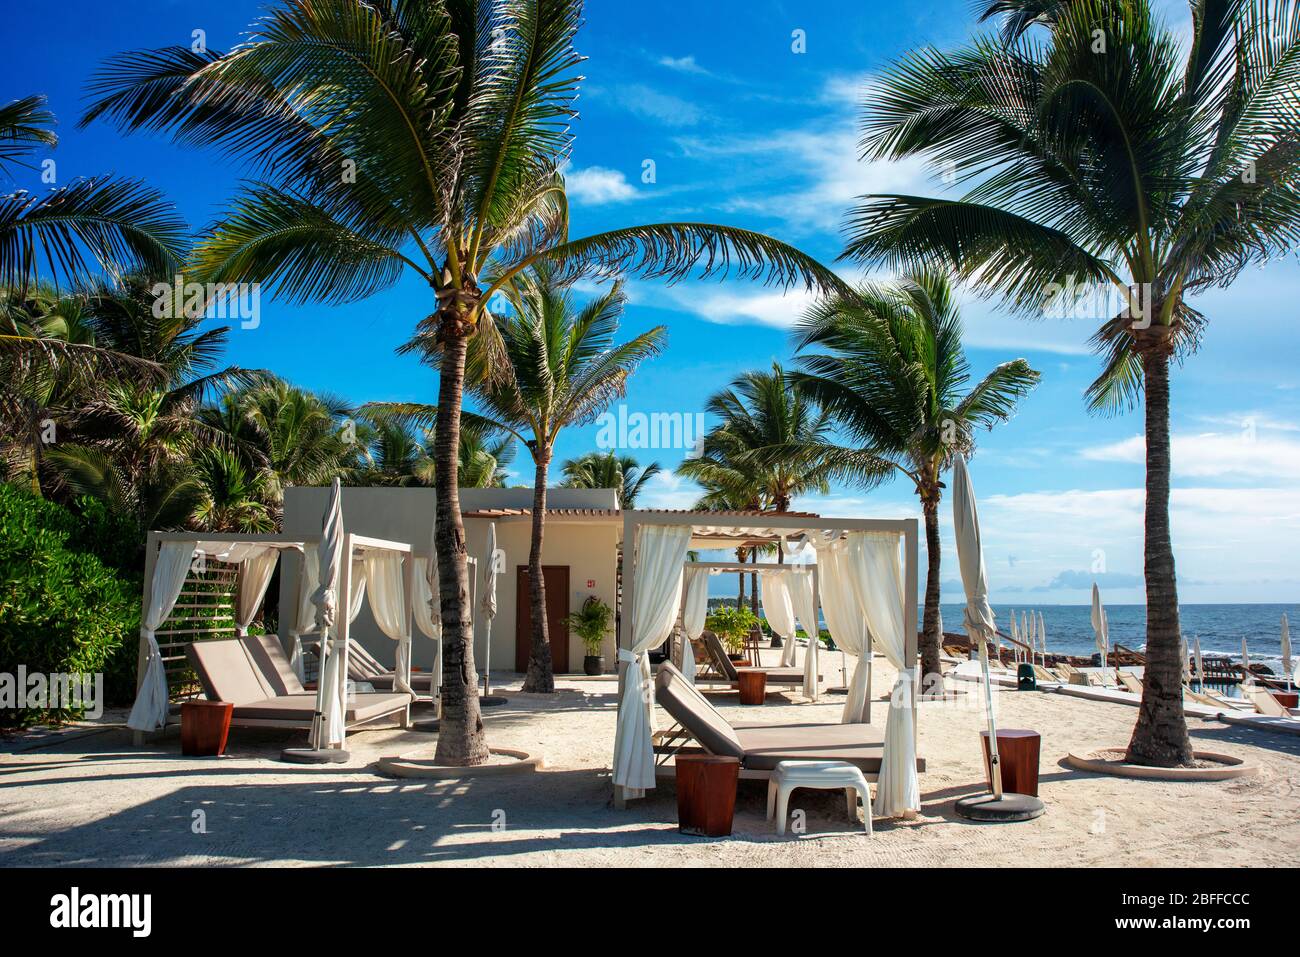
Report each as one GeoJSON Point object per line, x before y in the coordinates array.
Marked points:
{"type": "Point", "coordinates": [1109, 156]}
{"type": "Point", "coordinates": [484, 455]}
{"type": "Point", "coordinates": [765, 448]}
{"type": "Point", "coordinates": [410, 136]}
{"type": "Point", "coordinates": [893, 375]}
{"type": "Point", "coordinates": [69, 233]}
{"type": "Point", "coordinates": [610, 470]}
{"type": "Point", "coordinates": [557, 366]}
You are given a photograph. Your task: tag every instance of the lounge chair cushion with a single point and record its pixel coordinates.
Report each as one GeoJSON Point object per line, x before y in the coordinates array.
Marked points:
{"type": "Point", "coordinates": [689, 708]}
{"type": "Point", "coordinates": [420, 681]}
{"type": "Point", "coordinates": [765, 747]}
{"type": "Point", "coordinates": [269, 657]}
{"type": "Point", "coordinates": [227, 671]}
{"type": "Point", "coordinates": [361, 707]}
{"type": "Point", "coordinates": [778, 676]}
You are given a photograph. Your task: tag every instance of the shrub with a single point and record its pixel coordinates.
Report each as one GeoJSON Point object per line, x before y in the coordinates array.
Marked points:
{"type": "Point", "coordinates": [731, 625]}
{"type": "Point", "coordinates": [62, 608]}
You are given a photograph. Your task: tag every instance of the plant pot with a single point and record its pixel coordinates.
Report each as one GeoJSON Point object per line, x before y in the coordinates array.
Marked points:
{"type": "Point", "coordinates": [593, 665]}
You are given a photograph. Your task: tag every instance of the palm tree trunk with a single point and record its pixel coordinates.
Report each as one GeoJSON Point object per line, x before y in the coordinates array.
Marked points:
{"type": "Point", "coordinates": [931, 629]}
{"type": "Point", "coordinates": [461, 741]}
{"type": "Point", "coordinates": [740, 595]}
{"type": "Point", "coordinates": [541, 672]}
{"type": "Point", "coordinates": [1160, 736]}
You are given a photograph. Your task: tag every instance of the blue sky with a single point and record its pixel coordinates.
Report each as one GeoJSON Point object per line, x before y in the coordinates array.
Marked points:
{"type": "Point", "coordinates": [743, 130]}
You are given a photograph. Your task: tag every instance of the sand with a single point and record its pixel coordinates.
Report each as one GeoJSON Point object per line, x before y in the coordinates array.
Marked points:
{"type": "Point", "coordinates": [92, 799]}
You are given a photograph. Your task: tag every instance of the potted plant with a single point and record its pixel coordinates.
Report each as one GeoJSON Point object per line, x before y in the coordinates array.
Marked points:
{"type": "Point", "coordinates": [591, 624]}
{"type": "Point", "coordinates": [732, 626]}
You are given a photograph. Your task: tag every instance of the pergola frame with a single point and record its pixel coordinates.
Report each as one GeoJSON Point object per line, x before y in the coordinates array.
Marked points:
{"type": "Point", "coordinates": [352, 544]}
{"type": "Point", "coordinates": [766, 526]}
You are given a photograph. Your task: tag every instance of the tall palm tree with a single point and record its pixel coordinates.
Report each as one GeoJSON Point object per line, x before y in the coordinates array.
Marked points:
{"type": "Point", "coordinates": [557, 365]}
{"type": "Point", "coordinates": [1106, 155]}
{"type": "Point", "coordinates": [484, 455]}
{"type": "Point", "coordinates": [610, 470]}
{"type": "Point", "coordinates": [419, 136]}
{"type": "Point", "coordinates": [765, 448]}
{"type": "Point", "coordinates": [894, 376]}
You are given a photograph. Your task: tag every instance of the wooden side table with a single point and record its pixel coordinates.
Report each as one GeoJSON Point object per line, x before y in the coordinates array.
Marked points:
{"type": "Point", "coordinates": [752, 685]}
{"type": "Point", "coordinates": [204, 727]}
{"type": "Point", "coordinates": [1018, 757]}
{"type": "Point", "coordinates": [706, 793]}
{"type": "Point", "coordinates": [1287, 699]}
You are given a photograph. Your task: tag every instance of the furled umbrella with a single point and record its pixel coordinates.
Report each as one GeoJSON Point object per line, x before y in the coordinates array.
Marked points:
{"type": "Point", "coordinates": [1247, 677]}
{"type": "Point", "coordinates": [435, 616]}
{"type": "Point", "coordinates": [1042, 637]}
{"type": "Point", "coordinates": [980, 625]}
{"type": "Point", "coordinates": [328, 727]}
{"type": "Point", "coordinates": [1099, 623]}
{"type": "Point", "coordinates": [488, 602]}
{"type": "Point", "coordinates": [1200, 667]}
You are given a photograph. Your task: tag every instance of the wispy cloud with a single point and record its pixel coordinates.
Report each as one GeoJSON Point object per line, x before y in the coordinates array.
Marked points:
{"type": "Point", "coordinates": [645, 101]}
{"type": "Point", "coordinates": [683, 64]}
{"type": "Point", "coordinates": [1250, 452]}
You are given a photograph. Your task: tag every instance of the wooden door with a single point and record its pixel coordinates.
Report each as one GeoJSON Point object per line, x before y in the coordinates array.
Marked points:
{"type": "Point", "coordinates": [557, 609]}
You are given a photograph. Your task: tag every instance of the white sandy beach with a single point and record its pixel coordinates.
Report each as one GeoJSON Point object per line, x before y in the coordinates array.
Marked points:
{"type": "Point", "coordinates": [94, 800]}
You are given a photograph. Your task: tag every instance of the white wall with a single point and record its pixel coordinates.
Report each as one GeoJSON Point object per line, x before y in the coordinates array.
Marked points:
{"type": "Point", "coordinates": [589, 547]}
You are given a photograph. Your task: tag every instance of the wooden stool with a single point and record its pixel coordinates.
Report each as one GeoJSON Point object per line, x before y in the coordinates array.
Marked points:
{"type": "Point", "coordinates": [752, 685]}
{"type": "Point", "coordinates": [1018, 758]}
{"type": "Point", "coordinates": [204, 727]}
{"type": "Point", "coordinates": [706, 793]}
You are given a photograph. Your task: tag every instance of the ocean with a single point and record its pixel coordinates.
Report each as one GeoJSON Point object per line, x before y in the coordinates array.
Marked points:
{"type": "Point", "coordinates": [1220, 628]}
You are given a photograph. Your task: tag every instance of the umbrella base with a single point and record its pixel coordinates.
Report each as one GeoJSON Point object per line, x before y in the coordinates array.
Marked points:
{"type": "Point", "coordinates": [1007, 809]}
{"type": "Point", "coordinates": [430, 726]}
{"type": "Point", "coordinates": [837, 690]}
{"type": "Point", "coordinates": [314, 755]}
{"type": "Point", "coordinates": [492, 701]}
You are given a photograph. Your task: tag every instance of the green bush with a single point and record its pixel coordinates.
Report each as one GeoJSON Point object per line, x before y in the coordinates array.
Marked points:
{"type": "Point", "coordinates": [731, 625]}
{"type": "Point", "coordinates": [62, 607]}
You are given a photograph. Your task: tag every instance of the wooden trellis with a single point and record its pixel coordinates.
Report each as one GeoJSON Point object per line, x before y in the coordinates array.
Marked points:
{"type": "Point", "coordinates": [204, 610]}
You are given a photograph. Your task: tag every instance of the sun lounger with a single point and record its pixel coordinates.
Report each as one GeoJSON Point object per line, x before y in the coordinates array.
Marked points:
{"type": "Point", "coordinates": [761, 747]}
{"type": "Point", "coordinates": [1265, 703]}
{"type": "Point", "coordinates": [729, 672]}
{"type": "Point", "coordinates": [254, 675]}
{"type": "Point", "coordinates": [1130, 682]}
{"type": "Point", "coordinates": [363, 666]}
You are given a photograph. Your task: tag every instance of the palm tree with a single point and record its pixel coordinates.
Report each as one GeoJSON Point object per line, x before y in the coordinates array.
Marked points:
{"type": "Point", "coordinates": [71, 231]}
{"type": "Point", "coordinates": [557, 365]}
{"type": "Point", "coordinates": [895, 378]}
{"type": "Point", "coordinates": [231, 497]}
{"type": "Point", "coordinates": [417, 136]}
{"type": "Point", "coordinates": [484, 455]}
{"type": "Point", "coordinates": [1110, 157]}
{"type": "Point", "coordinates": [610, 470]}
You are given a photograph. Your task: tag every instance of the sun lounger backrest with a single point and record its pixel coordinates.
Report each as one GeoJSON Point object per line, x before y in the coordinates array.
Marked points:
{"type": "Point", "coordinates": [719, 656]}
{"type": "Point", "coordinates": [362, 664]}
{"type": "Point", "coordinates": [689, 708]}
{"type": "Point", "coordinates": [227, 673]}
{"type": "Point", "coordinates": [268, 655]}
{"type": "Point", "coordinates": [1266, 704]}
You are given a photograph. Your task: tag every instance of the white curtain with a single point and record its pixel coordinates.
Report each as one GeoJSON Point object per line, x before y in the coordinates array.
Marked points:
{"type": "Point", "coordinates": [774, 593]}
{"type": "Point", "coordinates": [357, 593]}
{"type": "Point", "coordinates": [387, 593]}
{"type": "Point", "coordinates": [149, 713]}
{"type": "Point", "coordinates": [876, 573]}
{"type": "Point", "coordinates": [657, 596]}
{"type": "Point", "coordinates": [254, 577]}
{"type": "Point", "coordinates": [848, 626]}
{"type": "Point", "coordinates": [805, 609]}
{"type": "Point", "coordinates": [309, 575]}
{"type": "Point", "coordinates": [693, 614]}
{"type": "Point", "coordinates": [428, 621]}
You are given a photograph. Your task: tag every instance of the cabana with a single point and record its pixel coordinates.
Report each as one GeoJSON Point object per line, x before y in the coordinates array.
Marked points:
{"type": "Point", "coordinates": [206, 586]}
{"type": "Point", "coordinates": [866, 585]}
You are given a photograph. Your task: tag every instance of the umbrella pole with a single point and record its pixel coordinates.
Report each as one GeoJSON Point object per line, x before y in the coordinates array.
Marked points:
{"type": "Point", "coordinates": [487, 661]}
{"type": "Point", "coordinates": [995, 767]}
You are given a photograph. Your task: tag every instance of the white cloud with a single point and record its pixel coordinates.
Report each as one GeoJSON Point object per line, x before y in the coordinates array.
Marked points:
{"type": "Point", "coordinates": [653, 104]}
{"type": "Point", "coordinates": [775, 308]}
{"type": "Point", "coordinates": [683, 64]}
{"type": "Point", "coordinates": [1248, 453]}
{"type": "Point", "coordinates": [668, 490]}
{"type": "Point", "coordinates": [598, 185]}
